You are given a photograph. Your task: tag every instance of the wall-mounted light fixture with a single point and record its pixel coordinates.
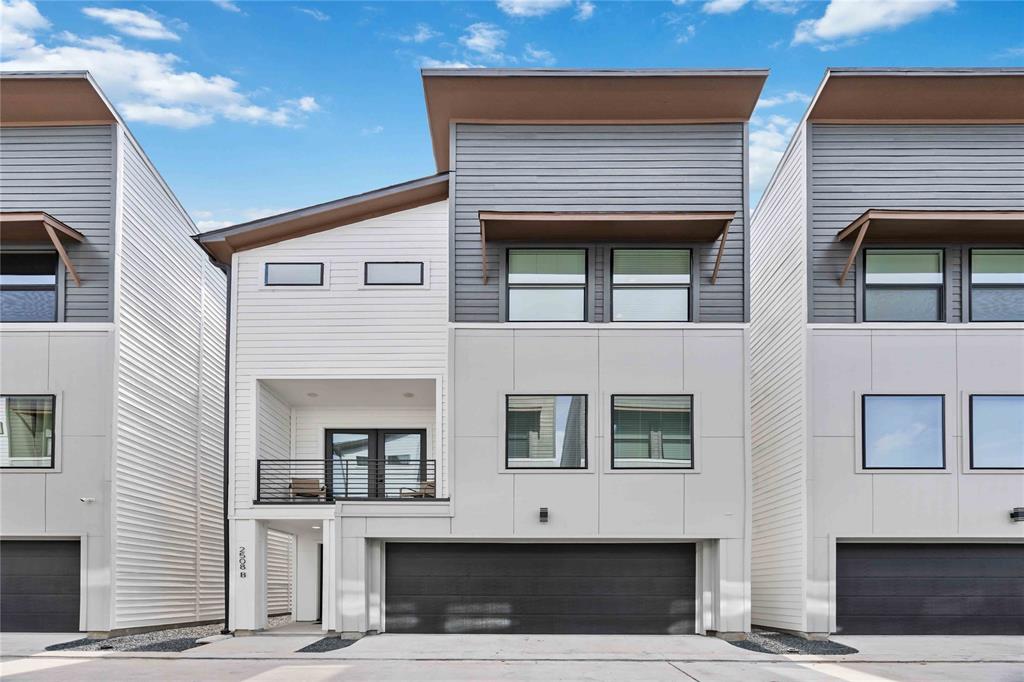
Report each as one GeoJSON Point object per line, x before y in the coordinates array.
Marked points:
{"type": "Point", "coordinates": [543, 514]}
{"type": "Point", "coordinates": [87, 500]}
{"type": "Point", "coordinates": [1017, 514]}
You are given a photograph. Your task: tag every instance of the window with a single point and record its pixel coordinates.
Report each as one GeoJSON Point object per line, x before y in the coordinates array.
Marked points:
{"type": "Point", "coordinates": [28, 287]}
{"type": "Point", "coordinates": [652, 432]}
{"type": "Point", "coordinates": [546, 431]}
{"type": "Point", "coordinates": [903, 285]}
{"type": "Point", "coordinates": [393, 273]}
{"type": "Point", "coordinates": [997, 285]}
{"type": "Point", "coordinates": [997, 431]}
{"type": "Point", "coordinates": [293, 274]}
{"type": "Point", "coordinates": [904, 431]}
{"type": "Point", "coordinates": [26, 431]}
{"type": "Point", "coordinates": [547, 285]}
{"type": "Point", "coordinates": [650, 285]}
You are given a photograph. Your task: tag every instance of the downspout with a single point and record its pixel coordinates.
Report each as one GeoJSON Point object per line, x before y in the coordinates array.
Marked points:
{"type": "Point", "coordinates": [227, 429]}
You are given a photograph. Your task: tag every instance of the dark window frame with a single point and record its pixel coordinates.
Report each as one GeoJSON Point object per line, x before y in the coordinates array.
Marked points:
{"type": "Point", "coordinates": [864, 425]}
{"type": "Point", "coordinates": [266, 273]}
{"type": "Point", "coordinates": [970, 423]}
{"type": "Point", "coordinates": [943, 293]}
{"type": "Point", "coordinates": [610, 285]}
{"type": "Point", "coordinates": [368, 283]}
{"type": "Point", "coordinates": [53, 441]}
{"type": "Point", "coordinates": [375, 439]}
{"type": "Point", "coordinates": [56, 287]}
{"type": "Point", "coordinates": [586, 432]}
{"type": "Point", "coordinates": [693, 440]}
{"type": "Point", "coordinates": [586, 284]}
{"type": "Point", "coordinates": [971, 285]}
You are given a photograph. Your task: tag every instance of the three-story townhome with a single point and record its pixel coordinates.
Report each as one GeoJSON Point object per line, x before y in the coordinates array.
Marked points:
{"type": "Point", "coordinates": [511, 397]}
{"type": "Point", "coordinates": [888, 359]}
{"type": "Point", "coordinates": [111, 375]}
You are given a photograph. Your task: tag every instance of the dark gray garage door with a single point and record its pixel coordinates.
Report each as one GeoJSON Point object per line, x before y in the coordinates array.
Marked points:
{"type": "Point", "coordinates": [540, 588]}
{"type": "Point", "coordinates": [39, 585]}
{"type": "Point", "coordinates": [930, 589]}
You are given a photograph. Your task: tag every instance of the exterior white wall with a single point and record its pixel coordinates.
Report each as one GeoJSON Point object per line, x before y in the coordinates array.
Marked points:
{"type": "Point", "coordinates": [280, 573]}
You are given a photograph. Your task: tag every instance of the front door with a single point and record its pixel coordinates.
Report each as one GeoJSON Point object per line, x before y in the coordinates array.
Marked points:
{"type": "Point", "coordinates": [376, 463]}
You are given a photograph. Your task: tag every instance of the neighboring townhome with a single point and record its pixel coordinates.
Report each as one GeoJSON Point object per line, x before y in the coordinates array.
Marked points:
{"type": "Point", "coordinates": [112, 329]}
{"type": "Point", "coordinates": [888, 359]}
{"type": "Point", "coordinates": [511, 397]}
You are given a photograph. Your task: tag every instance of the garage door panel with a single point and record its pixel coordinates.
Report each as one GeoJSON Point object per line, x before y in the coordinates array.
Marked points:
{"type": "Point", "coordinates": [544, 585]}
{"type": "Point", "coordinates": [39, 585]}
{"type": "Point", "coordinates": [962, 587]}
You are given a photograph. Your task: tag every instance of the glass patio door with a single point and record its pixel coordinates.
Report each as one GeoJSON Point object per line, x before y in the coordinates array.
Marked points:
{"type": "Point", "coordinates": [376, 463]}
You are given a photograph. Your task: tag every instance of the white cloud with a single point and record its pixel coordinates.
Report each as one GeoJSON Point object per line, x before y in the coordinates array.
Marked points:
{"type": "Point", "coordinates": [584, 10]}
{"type": "Point", "coordinates": [372, 130]}
{"type": "Point", "coordinates": [780, 6]}
{"type": "Point", "coordinates": [315, 13]}
{"type": "Point", "coordinates": [485, 39]}
{"type": "Point", "coordinates": [132, 23]}
{"type": "Point", "coordinates": [847, 19]}
{"type": "Point", "coordinates": [146, 86]}
{"type": "Point", "coordinates": [731, 6]}
{"type": "Point", "coordinates": [768, 141]}
{"type": "Point", "coordinates": [422, 34]}
{"type": "Point", "coordinates": [791, 97]}
{"type": "Point", "coordinates": [538, 55]}
{"type": "Point", "coordinates": [686, 34]}
{"type": "Point", "coordinates": [723, 6]}
{"type": "Point", "coordinates": [431, 63]}
{"type": "Point", "coordinates": [531, 8]}
{"type": "Point", "coordinates": [212, 220]}
{"type": "Point", "coordinates": [228, 6]}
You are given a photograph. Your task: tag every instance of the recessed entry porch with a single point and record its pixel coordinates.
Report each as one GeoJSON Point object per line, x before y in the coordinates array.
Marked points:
{"type": "Point", "coordinates": [321, 441]}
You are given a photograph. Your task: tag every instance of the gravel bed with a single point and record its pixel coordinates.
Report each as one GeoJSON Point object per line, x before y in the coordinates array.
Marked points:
{"type": "Point", "coordinates": [326, 644]}
{"type": "Point", "coordinates": [769, 642]}
{"type": "Point", "coordinates": [172, 639]}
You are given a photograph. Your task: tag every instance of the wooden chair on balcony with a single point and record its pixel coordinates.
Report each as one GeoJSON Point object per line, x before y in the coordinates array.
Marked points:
{"type": "Point", "coordinates": [307, 488]}
{"type": "Point", "coordinates": [426, 489]}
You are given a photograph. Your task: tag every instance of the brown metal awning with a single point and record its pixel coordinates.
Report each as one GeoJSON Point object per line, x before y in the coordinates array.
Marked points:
{"type": "Point", "coordinates": [888, 226]}
{"type": "Point", "coordinates": [22, 227]}
{"type": "Point", "coordinates": [539, 226]}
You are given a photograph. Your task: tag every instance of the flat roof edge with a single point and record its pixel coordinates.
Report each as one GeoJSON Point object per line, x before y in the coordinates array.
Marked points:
{"type": "Point", "coordinates": [484, 72]}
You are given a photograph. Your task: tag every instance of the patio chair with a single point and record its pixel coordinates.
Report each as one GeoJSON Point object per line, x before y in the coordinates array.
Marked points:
{"type": "Point", "coordinates": [307, 487]}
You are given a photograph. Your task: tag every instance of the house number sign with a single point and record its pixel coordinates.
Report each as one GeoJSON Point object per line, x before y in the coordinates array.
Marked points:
{"type": "Point", "coordinates": [241, 562]}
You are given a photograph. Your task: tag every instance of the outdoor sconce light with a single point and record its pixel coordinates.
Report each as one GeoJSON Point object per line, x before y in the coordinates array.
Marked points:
{"type": "Point", "coordinates": [544, 514]}
{"type": "Point", "coordinates": [1017, 514]}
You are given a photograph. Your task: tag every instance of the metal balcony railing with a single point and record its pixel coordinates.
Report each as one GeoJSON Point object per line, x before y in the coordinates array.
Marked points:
{"type": "Point", "coordinates": [323, 481]}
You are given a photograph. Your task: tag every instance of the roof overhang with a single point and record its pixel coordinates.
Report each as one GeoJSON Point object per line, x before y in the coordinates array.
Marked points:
{"type": "Point", "coordinates": [39, 227]}
{"type": "Point", "coordinates": [920, 96]}
{"type": "Point", "coordinates": [222, 243]}
{"type": "Point", "coordinates": [888, 226]}
{"type": "Point", "coordinates": [565, 227]}
{"type": "Point", "coordinates": [59, 98]}
{"type": "Point", "coordinates": [585, 96]}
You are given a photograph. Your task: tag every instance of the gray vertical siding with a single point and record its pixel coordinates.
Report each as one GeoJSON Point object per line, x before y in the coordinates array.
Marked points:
{"type": "Point", "coordinates": [597, 168]}
{"type": "Point", "coordinates": [857, 167]}
{"type": "Point", "coordinates": [69, 173]}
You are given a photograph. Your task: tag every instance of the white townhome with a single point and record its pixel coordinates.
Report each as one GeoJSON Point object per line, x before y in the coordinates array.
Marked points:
{"type": "Point", "coordinates": [888, 359]}
{"type": "Point", "coordinates": [111, 374]}
{"type": "Point", "coordinates": [510, 397]}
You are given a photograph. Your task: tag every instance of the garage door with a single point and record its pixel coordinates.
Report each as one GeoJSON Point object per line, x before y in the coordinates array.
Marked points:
{"type": "Point", "coordinates": [39, 585]}
{"type": "Point", "coordinates": [540, 588]}
{"type": "Point", "coordinates": [930, 589]}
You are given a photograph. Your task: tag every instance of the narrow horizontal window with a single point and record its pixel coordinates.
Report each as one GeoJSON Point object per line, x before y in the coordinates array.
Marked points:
{"type": "Point", "coordinates": [393, 273]}
{"type": "Point", "coordinates": [294, 274]}
{"type": "Point", "coordinates": [997, 285]}
{"type": "Point", "coordinates": [903, 285]}
{"type": "Point", "coordinates": [28, 287]}
{"type": "Point", "coordinates": [650, 285]}
{"type": "Point", "coordinates": [26, 431]}
{"type": "Point", "coordinates": [652, 432]}
{"type": "Point", "coordinates": [547, 285]}
{"type": "Point", "coordinates": [997, 431]}
{"type": "Point", "coordinates": [903, 431]}
{"type": "Point", "coordinates": [546, 431]}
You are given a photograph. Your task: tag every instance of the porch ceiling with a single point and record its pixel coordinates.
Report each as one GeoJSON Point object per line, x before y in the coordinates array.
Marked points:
{"type": "Point", "coordinates": [365, 393]}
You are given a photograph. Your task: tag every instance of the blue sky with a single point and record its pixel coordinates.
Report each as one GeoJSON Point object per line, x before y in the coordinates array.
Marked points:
{"type": "Point", "coordinates": [252, 108]}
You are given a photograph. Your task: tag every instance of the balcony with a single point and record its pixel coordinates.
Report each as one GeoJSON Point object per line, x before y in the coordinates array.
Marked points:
{"type": "Point", "coordinates": [325, 481]}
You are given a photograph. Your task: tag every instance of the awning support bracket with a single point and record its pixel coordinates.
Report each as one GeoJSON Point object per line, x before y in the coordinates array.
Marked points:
{"type": "Point", "coordinates": [63, 254]}
{"type": "Point", "coordinates": [863, 228]}
{"type": "Point", "coordinates": [721, 250]}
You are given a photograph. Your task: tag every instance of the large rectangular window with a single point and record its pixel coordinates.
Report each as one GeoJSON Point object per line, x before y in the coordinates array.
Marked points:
{"type": "Point", "coordinates": [652, 432]}
{"type": "Point", "coordinates": [26, 431]}
{"type": "Point", "coordinates": [997, 431]}
{"type": "Point", "coordinates": [546, 431]}
{"type": "Point", "coordinates": [903, 285]}
{"type": "Point", "coordinates": [650, 285]}
{"type": "Point", "coordinates": [903, 431]}
{"type": "Point", "coordinates": [385, 274]}
{"type": "Point", "coordinates": [28, 287]}
{"type": "Point", "coordinates": [997, 285]}
{"type": "Point", "coordinates": [547, 285]}
{"type": "Point", "coordinates": [293, 274]}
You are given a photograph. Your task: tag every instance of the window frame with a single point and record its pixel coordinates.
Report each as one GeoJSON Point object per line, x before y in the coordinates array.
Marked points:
{"type": "Point", "coordinates": [52, 467]}
{"type": "Point", "coordinates": [970, 425]}
{"type": "Point", "coordinates": [368, 283]}
{"type": "Point", "coordinates": [942, 286]}
{"type": "Point", "coordinates": [58, 282]}
{"type": "Point", "coordinates": [266, 273]}
{"type": "Point", "coordinates": [585, 286]}
{"type": "Point", "coordinates": [864, 425]}
{"type": "Point", "coordinates": [610, 285]}
{"type": "Point", "coordinates": [971, 285]}
{"type": "Point", "coordinates": [611, 432]}
{"type": "Point", "coordinates": [586, 433]}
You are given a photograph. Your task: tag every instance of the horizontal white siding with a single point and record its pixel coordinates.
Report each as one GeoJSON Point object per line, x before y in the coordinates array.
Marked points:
{"type": "Point", "coordinates": [280, 572]}
{"type": "Point", "coordinates": [344, 329]}
{"type": "Point", "coordinates": [778, 393]}
{"type": "Point", "coordinates": [275, 426]}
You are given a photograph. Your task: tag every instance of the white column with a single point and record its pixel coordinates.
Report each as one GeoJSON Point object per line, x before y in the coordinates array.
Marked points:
{"type": "Point", "coordinates": [352, 585]}
{"type": "Point", "coordinates": [332, 559]}
{"type": "Point", "coordinates": [248, 575]}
